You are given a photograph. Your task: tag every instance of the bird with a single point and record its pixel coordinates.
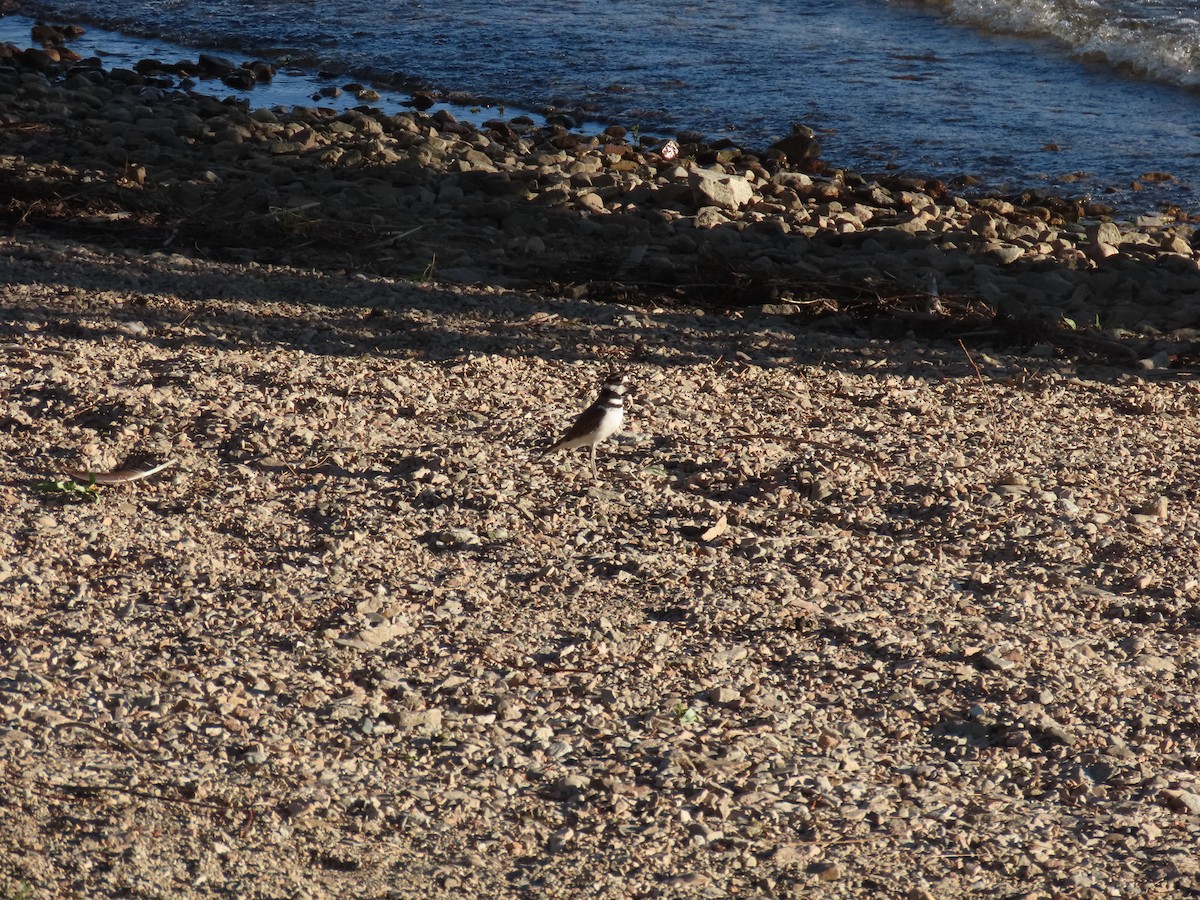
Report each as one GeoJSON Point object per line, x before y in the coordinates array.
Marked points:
{"type": "Point", "coordinates": [599, 421]}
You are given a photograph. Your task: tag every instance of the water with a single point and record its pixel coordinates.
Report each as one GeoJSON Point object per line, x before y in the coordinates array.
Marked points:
{"type": "Point", "coordinates": [1076, 96]}
{"type": "Point", "coordinates": [1147, 38]}
{"type": "Point", "coordinates": [292, 85]}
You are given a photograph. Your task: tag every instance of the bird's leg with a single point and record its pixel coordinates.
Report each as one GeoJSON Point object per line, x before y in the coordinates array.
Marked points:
{"type": "Point", "coordinates": [593, 449]}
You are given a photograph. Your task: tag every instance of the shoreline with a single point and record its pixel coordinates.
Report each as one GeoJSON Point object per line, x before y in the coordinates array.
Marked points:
{"type": "Point", "coordinates": [289, 85]}
{"type": "Point", "coordinates": [891, 116]}
{"type": "Point", "coordinates": [515, 204]}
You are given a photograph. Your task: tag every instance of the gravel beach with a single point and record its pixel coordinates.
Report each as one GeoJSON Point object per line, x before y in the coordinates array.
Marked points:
{"type": "Point", "coordinates": [853, 609]}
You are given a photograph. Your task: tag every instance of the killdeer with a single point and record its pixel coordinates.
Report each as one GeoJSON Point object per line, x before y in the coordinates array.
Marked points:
{"type": "Point", "coordinates": [599, 421]}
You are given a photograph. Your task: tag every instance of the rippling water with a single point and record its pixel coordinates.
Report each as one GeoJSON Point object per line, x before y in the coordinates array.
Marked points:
{"type": "Point", "coordinates": [1148, 38]}
{"type": "Point", "coordinates": [1083, 97]}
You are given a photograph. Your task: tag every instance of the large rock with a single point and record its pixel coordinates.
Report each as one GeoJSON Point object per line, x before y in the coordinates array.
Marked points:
{"type": "Point", "coordinates": [1104, 238]}
{"type": "Point", "coordinates": [217, 66]}
{"type": "Point", "coordinates": [799, 146]}
{"type": "Point", "coordinates": [714, 187]}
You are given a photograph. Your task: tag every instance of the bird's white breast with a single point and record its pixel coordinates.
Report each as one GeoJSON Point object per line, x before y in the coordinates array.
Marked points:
{"type": "Point", "coordinates": [610, 423]}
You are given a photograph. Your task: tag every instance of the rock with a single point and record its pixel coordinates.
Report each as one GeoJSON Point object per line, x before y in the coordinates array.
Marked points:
{"type": "Point", "coordinates": [983, 225]}
{"type": "Point", "coordinates": [827, 871]}
{"type": "Point", "coordinates": [47, 34]}
{"type": "Point", "coordinates": [796, 181]}
{"type": "Point", "coordinates": [240, 79]}
{"type": "Point", "coordinates": [215, 66]}
{"type": "Point", "coordinates": [1104, 236]}
{"type": "Point", "coordinates": [1055, 731]}
{"type": "Point", "coordinates": [710, 217]}
{"type": "Point", "coordinates": [430, 719]}
{"type": "Point", "coordinates": [668, 149]}
{"type": "Point", "coordinates": [1181, 801]}
{"type": "Point", "coordinates": [456, 538]}
{"type": "Point", "coordinates": [1175, 244]}
{"type": "Point", "coordinates": [590, 202]}
{"type": "Point", "coordinates": [1159, 361]}
{"type": "Point", "coordinates": [724, 696]}
{"type": "Point", "coordinates": [1148, 662]}
{"type": "Point", "coordinates": [38, 59]}
{"type": "Point", "coordinates": [1005, 254]}
{"type": "Point", "coordinates": [375, 637]}
{"type": "Point", "coordinates": [570, 786]}
{"type": "Point", "coordinates": [716, 188]}
{"type": "Point", "coordinates": [263, 72]}
{"type": "Point", "coordinates": [800, 146]}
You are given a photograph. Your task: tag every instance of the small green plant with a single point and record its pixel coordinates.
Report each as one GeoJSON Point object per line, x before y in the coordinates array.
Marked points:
{"type": "Point", "coordinates": [89, 492]}
{"type": "Point", "coordinates": [291, 221]}
{"type": "Point", "coordinates": [427, 275]}
{"type": "Point", "coordinates": [636, 134]}
{"type": "Point", "coordinates": [23, 891]}
{"type": "Point", "coordinates": [684, 714]}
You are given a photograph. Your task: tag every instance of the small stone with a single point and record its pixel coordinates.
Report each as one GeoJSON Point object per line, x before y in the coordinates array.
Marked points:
{"type": "Point", "coordinates": [1150, 663]}
{"type": "Point", "coordinates": [828, 871]}
{"type": "Point", "coordinates": [570, 786]}
{"type": "Point", "coordinates": [723, 696]}
{"type": "Point", "coordinates": [1181, 801]}
{"type": "Point", "coordinates": [993, 662]}
{"type": "Point", "coordinates": [790, 854]}
{"type": "Point", "coordinates": [710, 217]}
{"type": "Point", "coordinates": [591, 202]}
{"type": "Point", "coordinates": [430, 719]}
{"type": "Point", "coordinates": [1005, 254]}
{"type": "Point", "coordinates": [1160, 360]}
{"type": "Point", "coordinates": [1057, 732]}
{"type": "Point", "coordinates": [691, 880]}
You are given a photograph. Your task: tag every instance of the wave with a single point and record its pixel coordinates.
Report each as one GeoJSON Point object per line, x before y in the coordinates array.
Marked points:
{"type": "Point", "coordinates": [1159, 41]}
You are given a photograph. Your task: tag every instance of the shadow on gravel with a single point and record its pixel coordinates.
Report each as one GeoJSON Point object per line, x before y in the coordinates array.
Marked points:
{"type": "Point", "coordinates": [351, 315]}
{"type": "Point", "coordinates": [408, 221]}
{"type": "Point", "coordinates": [345, 317]}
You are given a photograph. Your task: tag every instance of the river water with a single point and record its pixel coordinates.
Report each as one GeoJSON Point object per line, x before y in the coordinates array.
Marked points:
{"type": "Point", "coordinates": [1075, 96]}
